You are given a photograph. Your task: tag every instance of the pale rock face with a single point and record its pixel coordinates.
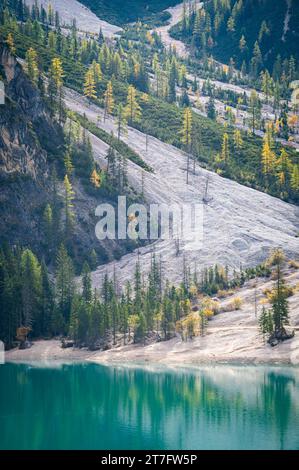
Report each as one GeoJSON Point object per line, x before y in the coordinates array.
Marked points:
{"type": "Point", "coordinates": [240, 225]}
{"type": "Point", "coordinates": [86, 20]}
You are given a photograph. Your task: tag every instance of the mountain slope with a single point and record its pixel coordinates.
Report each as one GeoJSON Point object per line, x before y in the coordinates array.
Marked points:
{"type": "Point", "coordinates": [28, 140]}
{"type": "Point", "coordinates": [86, 20]}
{"type": "Point", "coordinates": [126, 11]}
{"type": "Point", "coordinates": [272, 26]}
{"type": "Point", "coordinates": [241, 225]}
{"type": "Point", "coordinates": [31, 146]}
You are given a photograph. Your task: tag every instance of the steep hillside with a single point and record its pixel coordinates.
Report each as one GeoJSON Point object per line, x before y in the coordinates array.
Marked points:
{"type": "Point", "coordinates": [126, 11]}
{"type": "Point", "coordinates": [251, 32]}
{"type": "Point", "coordinates": [240, 225]}
{"type": "Point", "coordinates": [69, 10]}
{"type": "Point", "coordinates": [32, 149]}
{"type": "Point", "coordinates": [29, 140]}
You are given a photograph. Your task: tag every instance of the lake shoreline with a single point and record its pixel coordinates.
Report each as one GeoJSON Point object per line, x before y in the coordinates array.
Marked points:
{"type": "Point", "coordinates": [169, 353]}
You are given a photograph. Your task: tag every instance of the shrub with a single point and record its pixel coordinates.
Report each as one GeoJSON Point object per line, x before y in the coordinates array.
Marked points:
{"type": "Point", "coordinates": [234, 304]}
{"type": "Point", "coordinates": [294, 264]}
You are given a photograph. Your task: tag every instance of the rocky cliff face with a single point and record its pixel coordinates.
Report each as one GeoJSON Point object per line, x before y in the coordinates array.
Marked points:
{"type": "Point", "coordinates": [26, 131]}
{"type": "Point", "coordinates": [28, 137]}
{"type": "Point", "coordinates": [30, 142]}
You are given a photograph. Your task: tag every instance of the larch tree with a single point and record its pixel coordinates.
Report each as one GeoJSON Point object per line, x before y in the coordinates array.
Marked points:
{"type": "Point", "coordinates": [282, 167]}
{"type": "Point", "coordinates": [186, 136]}
{"type": "Point", "coordinates": [132, 109]}
{"type": "Point", "coordinates": [96, 71]}
{"type": "Point", "coordinates": [10, 43]}
{"type": "Point", "coordinates": [268, 159]}
{"type": "Point", "coordinates": [95, 179]}
{"type": "Point", "coordinates": [108, 100]}
{"type": "Point", "coordinates": [55, 86]}
{"type": "Point", "coordinates": [31, 65]}
{"type": "Point", "coordinates": [295, 179]}
{"type": "Point", "coordinates": [238, 143]}
{"type": "Point", "coordinates": [90, 85]}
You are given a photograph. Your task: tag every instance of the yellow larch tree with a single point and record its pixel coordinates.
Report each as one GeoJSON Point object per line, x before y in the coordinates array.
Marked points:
{"type": "Point", "coordinates": [225, 148]}
{"type": "Point", "coordinates": [90, 85]}
{"type": "Point", "coordinates": [11, 44]}
{"type": "Point", "coordinates": [31, 65]}
{"type": "Point", "coordinates": [108, 100]}
{"type": "Point", "coordinates": [96, 71]}
{"type": "Point", "coordinates": [186, 136]}
{"type": "Point", "coordinates": [295, 179]}
{"type": "Point", "coordinates": [268, 158]}
{"type": "Point", "coordinates": [132, 109]}
{"type": "Point", "coordinates": [95, 179]}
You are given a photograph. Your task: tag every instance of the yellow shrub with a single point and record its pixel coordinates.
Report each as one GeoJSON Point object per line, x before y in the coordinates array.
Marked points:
{"type": "Point", "coordinates": [222, 294]}
{"type": "Point", "coordinates": [237, 303]}
{"type": "Point", "coordinates": [208, 312]}
{"type": "Point", "coordinates": [294, 264]}
{"type": "Point", "coordinates": [234, 304]}
{"type": "Point", "coordinates": [212, 305]}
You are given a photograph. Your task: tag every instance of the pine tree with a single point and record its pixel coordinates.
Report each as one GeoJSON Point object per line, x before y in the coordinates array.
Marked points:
{"type": "Point", "coordinates": [65, 287]}
{"type": "Point", "coordinates": [266, 322]}
{"type": "Point", "coordinates": [68, 206]}
{"type": "Point", "coordinates": [140, 333]}
{"type": "Point", "coordinates": [254, 109]}
{"type": "Point", "coordinates": [242, 43]}
{"type": "Point", "coordinates": [31, 290]}
{"type": "Point", "coordinates": [279, 302]}
{"type": "Point", "coordinates": [69, 168]}
{"type": "Point", "coordinates": [267, 84]}
{"type": "Point", "coordinates": [211, 110]}
{"type": "Point", "coordinates": [48, 225]}
{"type": "Point", "coordinates": [86, 283]}
{"type": "Point", "coordinates": [121, 121]}
{"type": "Point", "coordinates": [172, 82]}
{"type": "Point", "coordinates": [256, 61]}
{"type": "Point", "coordinates": [167, 321]}
{"type": "Point", "coordinates": [46, 302]}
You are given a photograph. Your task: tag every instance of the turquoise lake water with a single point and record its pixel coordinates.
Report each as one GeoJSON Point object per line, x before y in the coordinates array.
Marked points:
{"type": "Point", "coordinates": [87, 406]}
